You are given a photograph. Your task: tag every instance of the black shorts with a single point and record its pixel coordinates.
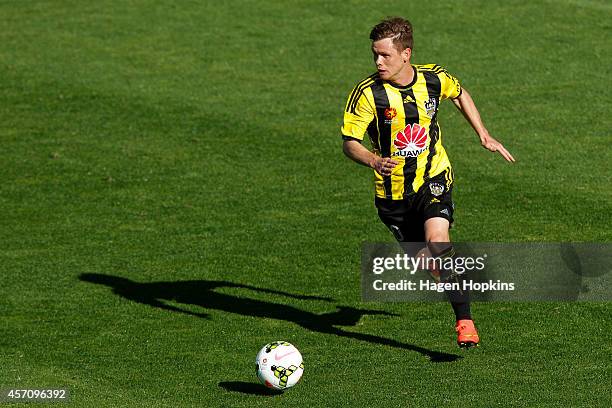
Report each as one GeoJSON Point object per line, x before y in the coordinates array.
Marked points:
{"type": "Point", "coordinates": [406, 218]}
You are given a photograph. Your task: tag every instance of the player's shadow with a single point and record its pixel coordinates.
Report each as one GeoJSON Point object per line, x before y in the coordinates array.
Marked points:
{"type": "Point", "coordinates": [202, 293]}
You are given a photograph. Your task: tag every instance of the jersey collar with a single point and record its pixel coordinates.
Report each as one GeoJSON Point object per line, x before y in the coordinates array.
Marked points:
{"type": "Point", "coordinates": [402, 88]}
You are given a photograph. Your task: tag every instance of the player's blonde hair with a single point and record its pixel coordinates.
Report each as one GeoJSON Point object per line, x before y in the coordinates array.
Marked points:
{"type": "Point", "coordinates": [396, 28]}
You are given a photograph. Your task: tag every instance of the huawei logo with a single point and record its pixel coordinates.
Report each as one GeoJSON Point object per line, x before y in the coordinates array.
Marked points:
{"type": "Point", "coordinates": [411, 141]}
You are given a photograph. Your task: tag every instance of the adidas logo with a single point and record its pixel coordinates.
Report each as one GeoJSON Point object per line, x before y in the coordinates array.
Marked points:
{"type": "Point", "coordinates": [445, 211]}
{"type": "Point", "coordinates": [408, 99]}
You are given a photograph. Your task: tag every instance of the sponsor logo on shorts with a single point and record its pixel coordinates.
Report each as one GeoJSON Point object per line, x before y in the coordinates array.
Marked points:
{"type": "Point", "coordinates": [410, 142]}
{"type": "Point", "coordinates": [436, 189]}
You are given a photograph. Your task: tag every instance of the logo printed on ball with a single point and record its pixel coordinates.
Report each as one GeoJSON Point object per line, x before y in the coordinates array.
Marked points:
{"type": "Point", "coordinates": [278, 357]}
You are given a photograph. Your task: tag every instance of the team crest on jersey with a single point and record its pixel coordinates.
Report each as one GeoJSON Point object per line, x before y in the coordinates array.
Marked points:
{"type": "Point", "coordinates": [431, 106]}
{"type": "Point", "coordinates": [390, 114]}
{"type": "Point", "coordinates": [410, 142]}
{"type": "Point", "coordinates": [436, 189]}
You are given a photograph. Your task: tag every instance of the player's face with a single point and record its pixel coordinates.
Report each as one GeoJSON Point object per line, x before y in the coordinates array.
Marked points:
{"type": "Point", "coordinates": [391, 63]}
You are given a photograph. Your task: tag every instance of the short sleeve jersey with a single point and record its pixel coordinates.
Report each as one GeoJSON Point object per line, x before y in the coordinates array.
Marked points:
{"type": "Point", "coordinates": [402, 123]}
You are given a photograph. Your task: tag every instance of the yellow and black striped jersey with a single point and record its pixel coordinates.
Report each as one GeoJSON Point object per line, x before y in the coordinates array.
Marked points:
{"type": "Point", "coordinates": [402, 123]}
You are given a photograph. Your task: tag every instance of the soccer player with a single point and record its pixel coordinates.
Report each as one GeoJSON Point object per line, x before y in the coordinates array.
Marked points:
{"type": "Point", "coordinates": [398, 108]}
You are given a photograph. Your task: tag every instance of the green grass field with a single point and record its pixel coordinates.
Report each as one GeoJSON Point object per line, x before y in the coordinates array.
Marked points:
{"type": "Point", "coordinates": [199, 142]}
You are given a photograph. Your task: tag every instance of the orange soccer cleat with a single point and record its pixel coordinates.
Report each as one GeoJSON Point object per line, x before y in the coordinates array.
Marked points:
{"type": "Point", "coordinates": [467, 335]}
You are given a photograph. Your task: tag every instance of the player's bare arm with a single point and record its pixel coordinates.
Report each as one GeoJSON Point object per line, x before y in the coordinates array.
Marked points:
{"type": "Point", "coordinates": [358, 153]}
{"type": "Point", "coordinates": [466, 105]}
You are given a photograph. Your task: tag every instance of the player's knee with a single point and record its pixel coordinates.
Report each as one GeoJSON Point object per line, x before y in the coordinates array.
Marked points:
{"type": "Point", "coordinates": [437, 236]}
{"type": "Point", "coordinates": [436, 230]}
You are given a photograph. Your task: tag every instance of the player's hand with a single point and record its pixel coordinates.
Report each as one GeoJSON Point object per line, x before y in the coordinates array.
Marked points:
{"type": "Point", "coordinates": [493, 145]}
{"type": "Point", "coordinates": [385, 165]}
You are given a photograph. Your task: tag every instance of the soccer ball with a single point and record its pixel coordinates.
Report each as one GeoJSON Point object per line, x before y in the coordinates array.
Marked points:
{"type": "Point", "coordinates": [279, 365]}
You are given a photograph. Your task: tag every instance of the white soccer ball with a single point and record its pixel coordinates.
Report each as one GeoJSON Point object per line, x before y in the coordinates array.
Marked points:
{"type": "Point", "coordinates": [279, 365]}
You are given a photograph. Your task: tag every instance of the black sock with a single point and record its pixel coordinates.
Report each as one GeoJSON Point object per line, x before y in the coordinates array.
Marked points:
{"type": "Point", "coordinates": [462, 310]}
{"type": "Point", "coordinates": [459, 299]}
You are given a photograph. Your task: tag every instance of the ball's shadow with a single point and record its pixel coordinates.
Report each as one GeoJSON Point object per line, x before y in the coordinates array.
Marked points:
{"type": "Point", "coordinates": [249, 388]}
